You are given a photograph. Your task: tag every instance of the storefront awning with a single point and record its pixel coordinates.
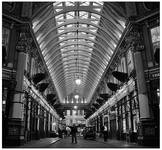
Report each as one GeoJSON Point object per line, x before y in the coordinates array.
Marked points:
{"type": "Point", "coordinates": [112, 86]}
{"type": "Point", "coordinates": [121, 76]}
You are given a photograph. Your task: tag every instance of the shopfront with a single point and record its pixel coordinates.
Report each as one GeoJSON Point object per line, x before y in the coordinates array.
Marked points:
{"type": "Point", "coordinates": [128, 117]}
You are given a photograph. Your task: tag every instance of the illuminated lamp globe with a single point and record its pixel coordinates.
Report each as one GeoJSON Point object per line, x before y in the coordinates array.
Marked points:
{"type": "Point", "coordinates": [78, 81]}
{"type": "Point", "coordinates": [76, 96]}
{"type": "Point", "coordinates": [75, 107]}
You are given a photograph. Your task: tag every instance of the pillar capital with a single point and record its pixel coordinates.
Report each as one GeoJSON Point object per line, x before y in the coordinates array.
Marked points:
{"type": "Point", "coordinates": [134, 38]}
{"type": "Point", "coordinates": [24, 42]}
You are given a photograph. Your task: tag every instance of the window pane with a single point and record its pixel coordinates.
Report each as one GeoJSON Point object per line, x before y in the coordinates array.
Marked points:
{"type": "Point", "coordinates": [155, 34]}
{"type": "Point", "coordinates": [5, 40]}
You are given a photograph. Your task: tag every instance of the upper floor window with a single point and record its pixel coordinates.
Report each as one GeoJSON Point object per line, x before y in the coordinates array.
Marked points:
{"type": "Point", "coordinates": [5, 43]}
{"type": "Point", "coordinates": [155, 35]}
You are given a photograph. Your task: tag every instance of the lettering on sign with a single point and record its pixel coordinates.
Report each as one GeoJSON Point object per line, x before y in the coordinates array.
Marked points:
{"type": "Point", "coordinates": [155, 75]}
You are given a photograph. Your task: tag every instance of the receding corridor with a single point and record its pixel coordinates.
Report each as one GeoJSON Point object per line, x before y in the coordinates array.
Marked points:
{"type": "Point", "coordinates": [85, 69]}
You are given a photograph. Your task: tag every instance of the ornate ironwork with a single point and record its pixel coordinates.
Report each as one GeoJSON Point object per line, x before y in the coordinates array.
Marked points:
{"type": "Point", "coordinates": [134, 38]}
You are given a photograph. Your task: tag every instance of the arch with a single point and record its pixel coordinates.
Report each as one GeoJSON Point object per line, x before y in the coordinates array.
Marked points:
{"type": "Point", "coordinates": [54, 58]}
{"type": "Point", "coordinates": [79, 30]}
{"type": "Point", "coordinates": [80, 8]}
{"type": "Point", "coordinates": [112, 35]}
{"type": "Point", "coordinates": [76, 43]}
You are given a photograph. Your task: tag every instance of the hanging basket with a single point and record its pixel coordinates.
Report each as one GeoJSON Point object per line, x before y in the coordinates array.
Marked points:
{"type": "Point", "coordinates": [112, 86]}
{"type": "Point", "coordinates": [121, 76]}
{"type": "Point", "coordinates": [38, 77]}
{"type": "Point", "coordinates": [42, 86]}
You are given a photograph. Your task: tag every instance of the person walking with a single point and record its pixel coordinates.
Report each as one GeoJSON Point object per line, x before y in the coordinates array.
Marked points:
{"type": "Point", "coordinates": [73, 133]}
{"type": "Point", "coordinates": [105, 133]}
{"type": "Point", "coordinates": [60, 133]}
{"type": "Point", "coordinates": [68, 131]}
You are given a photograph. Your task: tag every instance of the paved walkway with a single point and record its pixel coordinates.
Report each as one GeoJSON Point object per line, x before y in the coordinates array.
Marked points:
{"type": "Point", "coordinates": [42, 143]}
{"type": "Point", "coordinates": [82, 143]}
{"type": "Point", "coordinates": [98, 143]}
{"type": "Point", "coordinates": [119, 143]}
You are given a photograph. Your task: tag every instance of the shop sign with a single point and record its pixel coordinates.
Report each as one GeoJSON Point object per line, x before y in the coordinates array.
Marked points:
{"type": "Point", "coordinates": [155, 75]}
{"type": "Point", "coordinates": [152, 75]}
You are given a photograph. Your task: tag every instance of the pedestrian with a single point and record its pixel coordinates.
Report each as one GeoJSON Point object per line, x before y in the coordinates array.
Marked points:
{"type": "Point", "coordinates": [105, 133]}
{"type": "Point", "coordinates": [102, 132]}
{"type": "Point", "coordinates": [68, 130]}
{"type": "Point", "coordinates": [74, 133]}
{"type": "Point", "coordinates": [60, 133]}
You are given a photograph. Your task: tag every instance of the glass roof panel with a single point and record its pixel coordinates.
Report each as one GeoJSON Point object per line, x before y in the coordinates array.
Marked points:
{"type": "Point", "coordinates": [57, 4]}
{"type": "Point", "coordinates": [70, 4]}
{"type": "Point", "coordinates": [97, 3]}
{"type": "Point", "coordinates": [58, 10]}
{"type": "Point", "coordinates": [84, 3]}
{"type": "Point", "coordinates": [78, 40]}
{"type": "Point", "coordinates": [83, 15]}
{"type": "Point", "coordinates": [97, 9]}
{"type": "Point", "coordinates": [70, 15]}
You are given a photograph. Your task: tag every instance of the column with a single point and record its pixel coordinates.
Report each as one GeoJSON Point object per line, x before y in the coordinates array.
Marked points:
{"type": "Point", "coordinates": [16, 113]}
{"type": "Point", "coordinates": [146, 127]}
{"type": "Point", "coordinates": [137, 48]}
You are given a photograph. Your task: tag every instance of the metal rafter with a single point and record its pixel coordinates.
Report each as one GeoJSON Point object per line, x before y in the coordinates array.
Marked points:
{"type": "Point", "coordinates": [77, 40]}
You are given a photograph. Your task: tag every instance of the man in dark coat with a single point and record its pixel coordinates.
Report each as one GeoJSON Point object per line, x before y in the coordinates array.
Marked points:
{"type": "Point", "coordinates": [73, 133]}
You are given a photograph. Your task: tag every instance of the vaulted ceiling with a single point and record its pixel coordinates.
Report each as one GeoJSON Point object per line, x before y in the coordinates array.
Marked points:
{"type": "Point", "coordinates": [77, 40]}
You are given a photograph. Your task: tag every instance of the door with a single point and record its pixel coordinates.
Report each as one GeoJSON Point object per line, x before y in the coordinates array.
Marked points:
{"type": "Point", "coordinates": [113, 128]}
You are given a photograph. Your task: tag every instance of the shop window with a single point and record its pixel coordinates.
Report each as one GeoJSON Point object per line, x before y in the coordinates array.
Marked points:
{"type": "Point", "coordinates": [68, 112]}
{"type": "Point", "coordinates": [158, 94]}
{"type": "Point", "coordinates": [155, 35]}
{"type": "Point", "coordinates": [135, 120]}
{"type": "Point", "coordinates": [124, 125]}
{"type": "Point", "coordinates": [4, 99]}
{"type": "Point", "coordinates": [5, 44]}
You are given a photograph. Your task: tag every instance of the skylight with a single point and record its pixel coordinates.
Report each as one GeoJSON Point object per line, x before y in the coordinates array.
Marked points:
{"type": "Point", "coordinates": [77, 40]}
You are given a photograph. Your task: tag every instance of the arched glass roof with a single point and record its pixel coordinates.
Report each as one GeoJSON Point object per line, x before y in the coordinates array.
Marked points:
{"type": "Point", "coordinates": [77, 40]}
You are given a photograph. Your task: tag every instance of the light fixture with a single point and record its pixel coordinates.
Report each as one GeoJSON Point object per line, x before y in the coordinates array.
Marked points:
{"type": "Point", "coordinates": [75, 107]}
{"type": "Point", "coordinates": [54, 124]}
{"type": "Point", "coordinates": [78, 81]}
{"type": "Point", "coordinates": [76, 96]}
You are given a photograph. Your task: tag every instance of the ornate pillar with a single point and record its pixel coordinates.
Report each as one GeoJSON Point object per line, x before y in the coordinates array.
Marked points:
{"type": "Point", "coordinates": [16, 126]}
{"type": "Point", "coordinates": [146, 127]}
{"type": "Point", "coordinates": [135, 40]}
